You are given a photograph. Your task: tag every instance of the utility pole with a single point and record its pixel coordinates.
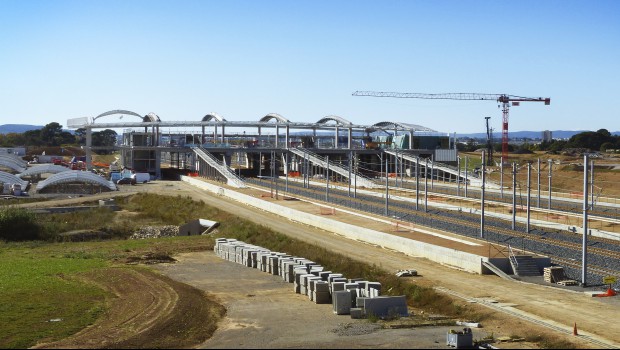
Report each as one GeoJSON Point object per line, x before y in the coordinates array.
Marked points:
{"type": "Point", "coordinates": [350, 165]}
{"type": "Point", "coordinates": [327, 180]}
{"type": "Point", "coordinates": [482, 197]}
{"type": "Point", "coordinates": [458, 177]}
{"type": "Point", "coordinates": [584, 253]}
{"type": "Point", "coordinates": [466, 171]}
{"type": "Point", "coordinates": [417, 181]}
{"type": "Point", "coordinates": [538, 184]}
{"type": "Point", "coordinates": [426, 187]}
{"type": "Point", "coordinates": [514, 194]}
{"type": "Point", "coordinates": [529, 173]}
{"type": "Point", "coordinates": [386, 187]}
{"type": "Point", "coordinates": [501, 177]}
{"type": "Point", "coordinates": [550, 165]}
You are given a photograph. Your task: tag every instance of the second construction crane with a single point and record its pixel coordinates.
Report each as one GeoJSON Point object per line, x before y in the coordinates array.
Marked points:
{"type": "Point", "coordinates": [504, 99]}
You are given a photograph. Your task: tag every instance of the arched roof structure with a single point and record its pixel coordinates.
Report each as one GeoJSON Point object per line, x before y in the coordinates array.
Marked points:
{"type": "Point", "coordinates": [117, 111]}
{"type": "Point", "coordinates": [404, 126]}
{"type": "Point", "coordinates": [73, 176]}
{"type": "Point", "coordinates": [212, 116]}
{"type": "Point", "coordinates": [335, 118]}
{"type": "Point", "coordinates": [276, 116]}
{"type": "Point", "coordinates": [8, 178]}
{"type": "Point", "coordinates": [44, 169]}
{"type": "Point", "coordinates": [151, 117]}
{"type": "Point", "coordinates": [11, 163]}
{"type": "Point", "coordinates": [15, 159]}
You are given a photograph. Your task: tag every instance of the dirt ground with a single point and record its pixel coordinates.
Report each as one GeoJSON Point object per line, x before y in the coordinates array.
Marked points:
{"type": "Point", "coordinates": [267, 314]}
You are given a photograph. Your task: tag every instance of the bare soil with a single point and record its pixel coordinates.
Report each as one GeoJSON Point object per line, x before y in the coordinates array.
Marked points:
{"type": "Point", "coordinates": [148, 310]}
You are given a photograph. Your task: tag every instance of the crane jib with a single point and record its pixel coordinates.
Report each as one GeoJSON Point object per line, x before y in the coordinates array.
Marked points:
{"type": "Point", "coordinates": [502, 98]}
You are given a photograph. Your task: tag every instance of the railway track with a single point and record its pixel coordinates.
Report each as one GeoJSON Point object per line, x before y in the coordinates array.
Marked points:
{"type": "Point", "coordinates": [603, 254]}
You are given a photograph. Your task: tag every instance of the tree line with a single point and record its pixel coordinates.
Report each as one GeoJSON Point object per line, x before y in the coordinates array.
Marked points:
{"type": "Point", "coordinates": [600, 140]}
{"type": "Point", "coordinates": [52, 134]}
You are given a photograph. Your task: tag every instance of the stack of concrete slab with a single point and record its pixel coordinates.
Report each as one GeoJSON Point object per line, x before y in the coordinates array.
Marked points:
{"type": "Point", "coordinates": [356, 297]}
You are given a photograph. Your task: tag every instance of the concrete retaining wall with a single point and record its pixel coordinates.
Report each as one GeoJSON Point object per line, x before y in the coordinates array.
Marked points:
{"type": "Point", "coordinates": [451, 257]}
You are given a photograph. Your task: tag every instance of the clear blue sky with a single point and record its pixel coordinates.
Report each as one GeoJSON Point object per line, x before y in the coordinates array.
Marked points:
{"type": "Point", "coordinates": [304, 59]}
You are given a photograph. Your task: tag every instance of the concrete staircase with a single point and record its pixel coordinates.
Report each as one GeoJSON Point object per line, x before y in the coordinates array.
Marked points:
{"type": "Point", "coordinates": [524, 265]}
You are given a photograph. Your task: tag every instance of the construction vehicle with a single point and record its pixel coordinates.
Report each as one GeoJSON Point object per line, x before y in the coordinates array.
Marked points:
{"type": "Point", "coordinates": [504, 99]}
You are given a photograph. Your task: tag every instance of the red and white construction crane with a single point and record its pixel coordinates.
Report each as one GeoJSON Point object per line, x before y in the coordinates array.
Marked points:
{"type": "Point", "coordinates": [504, 99]}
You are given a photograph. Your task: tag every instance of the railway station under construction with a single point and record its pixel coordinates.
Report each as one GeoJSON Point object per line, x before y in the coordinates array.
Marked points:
{"type": "Point", "coordinates": [318, 161]}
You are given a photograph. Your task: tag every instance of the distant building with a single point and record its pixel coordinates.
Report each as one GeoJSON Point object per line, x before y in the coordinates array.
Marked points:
{"type": "Point", "coordinates": [547, 136]}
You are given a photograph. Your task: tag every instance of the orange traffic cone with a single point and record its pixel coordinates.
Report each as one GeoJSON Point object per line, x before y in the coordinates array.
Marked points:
{"type": "Point", "coordinates": [575, 329]}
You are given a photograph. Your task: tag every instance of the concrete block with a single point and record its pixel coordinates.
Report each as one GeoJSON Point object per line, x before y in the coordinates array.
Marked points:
{"type": "Point", "coordinates": [321, 286]}
{"type": "Point", "coordinates": [374, 285]}
{"type": "Point", "coordinates": [341, 301]}
{"type": "Point", "coordinates": [297, 288]}
{"type": "Point", "coordinates": [349, 285]}
{"type": "Point", "coordinates": [331, 276]}
{"type": "Point", "coordinates": [324, 274]}
{"type": "Point", "coordinates": [321, 297]}
{"type": "Point", "coordinates": [386, 306]}
{"type": "Point", "coordinates": [362, 284]}
{"type": "Point", "coordinates": [337, 286]}
{"type": "Point", "coordinates": [357, 313]}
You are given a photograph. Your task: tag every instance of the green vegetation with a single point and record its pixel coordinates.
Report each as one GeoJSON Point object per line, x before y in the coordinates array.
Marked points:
{"type": "Point", "coordinates": [46, 297]}
{"type": "Point", "coordinates": [18, 224]}
{"type": "Point", "coordinates": [600, 140]}
{"type": "Point", "coordinates": [50, 298]}
{"type": "Point", "coordinates": [52, 134]}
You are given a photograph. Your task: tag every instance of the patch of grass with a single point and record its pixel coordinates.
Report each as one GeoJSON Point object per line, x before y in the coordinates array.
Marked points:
{"type": "Point", "coordinates": [41, 288]}
{"type": "Point", "coordinates": [546, 342]}
{"type": "Point", "coordinates": [40, 281]}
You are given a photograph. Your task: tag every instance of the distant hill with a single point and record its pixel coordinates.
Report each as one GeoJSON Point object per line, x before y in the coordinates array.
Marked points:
{"type": "Point", "coordinates": [556, 134]}
{"type": "Point", "coordinates": [18, 128]}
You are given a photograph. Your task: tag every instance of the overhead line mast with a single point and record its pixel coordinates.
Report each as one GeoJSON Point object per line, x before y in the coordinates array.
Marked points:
{"type": "Point", "coordinates": [504, 99]}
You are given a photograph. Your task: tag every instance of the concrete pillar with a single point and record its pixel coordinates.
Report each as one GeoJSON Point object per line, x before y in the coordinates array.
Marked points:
{"type": "Point", "coordinates": [286, 139]}
{"type": "Point", "coordinates": [336, 138]}
{"type": "Point", "coordinates": [350, 142]}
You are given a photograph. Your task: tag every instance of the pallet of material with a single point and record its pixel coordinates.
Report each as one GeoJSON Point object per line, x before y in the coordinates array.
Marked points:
{"type": "Point", "coordinates": [554, 274]}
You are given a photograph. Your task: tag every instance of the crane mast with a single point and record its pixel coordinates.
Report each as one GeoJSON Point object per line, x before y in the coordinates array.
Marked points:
{"type": "Point", "coordinates": [504, 99]}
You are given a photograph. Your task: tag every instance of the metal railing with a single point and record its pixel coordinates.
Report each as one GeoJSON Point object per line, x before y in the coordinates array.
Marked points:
{"type": "Point", "coordinates": [233, 179]}
{"type": "Point", "coordinates": [361, 180]}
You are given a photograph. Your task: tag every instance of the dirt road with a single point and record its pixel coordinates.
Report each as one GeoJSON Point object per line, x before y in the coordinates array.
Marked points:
{"type": "Point", "coordinates": [594, 316]}
{"type": "Point", "coordinates": [562, 308]}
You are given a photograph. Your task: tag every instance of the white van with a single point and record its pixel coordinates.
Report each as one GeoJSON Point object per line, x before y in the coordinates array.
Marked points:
{"type": "Point", "coordinates": [143, 177]}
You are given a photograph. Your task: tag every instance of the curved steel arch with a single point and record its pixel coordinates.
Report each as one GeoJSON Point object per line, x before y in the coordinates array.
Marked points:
{"type": "Point", "coordinates": [151, 117]}
{"type": "Point", "coordinates": [117, 111]}
{"type": "Point", "coordinates": [275, 116]}
{"type": "Point", "coordinates": [75, 176]}
{"type": "Point", "coordinates": [44, 169]}
{"type": "Point", "coordinates": [404, 126]}
{"type": "Point", "coordinates": [335, 118]}
{"type": "Point", "coordinates": [11, 164]}
{"type": "Point", "coordinates": [12, 179]}
{"type": "Point", "coordinates": [15, 159]}
{"type": "Point", "coordinates": [212, 116]}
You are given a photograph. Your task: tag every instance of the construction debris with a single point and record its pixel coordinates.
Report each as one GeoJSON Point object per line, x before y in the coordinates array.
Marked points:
{"type": "Point", "coordinates": [406, 273]}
